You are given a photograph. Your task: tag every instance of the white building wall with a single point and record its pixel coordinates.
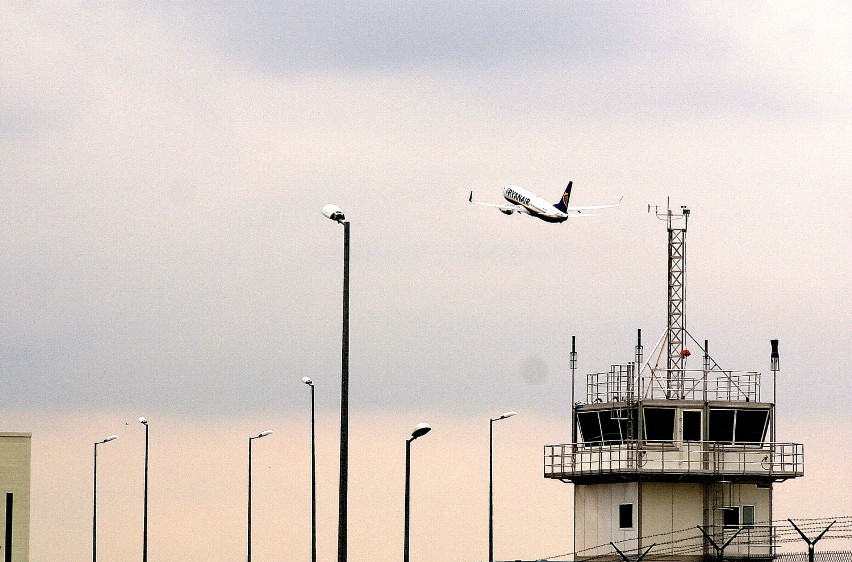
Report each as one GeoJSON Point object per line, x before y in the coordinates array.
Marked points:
{"type": "Point", "coordinates": [668, 509]}
{"type": "Point", "coordinates": [15, 479]}
{"type": "Point", "coordinates": [596, 517]}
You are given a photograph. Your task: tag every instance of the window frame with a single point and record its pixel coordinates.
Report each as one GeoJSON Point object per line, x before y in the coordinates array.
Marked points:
{"type": "Point", "coordinates": [624, 514]}
{"type": "Point", "coordinates": [744, 520]}
{"type": "Point", "coordinates": [682, 435]}
{"type": "Point", "coordinates": [655, 409]}
{"type": "Point", "coordinates": [730, 509]}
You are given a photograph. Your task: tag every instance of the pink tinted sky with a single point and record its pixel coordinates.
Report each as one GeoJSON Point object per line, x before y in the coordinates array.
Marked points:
{"type": "Point", "coordinates": [198, 478]}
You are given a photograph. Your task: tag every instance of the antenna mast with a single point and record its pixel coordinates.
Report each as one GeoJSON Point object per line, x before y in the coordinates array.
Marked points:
{"type": "Point", "coordinates": [676, 330]}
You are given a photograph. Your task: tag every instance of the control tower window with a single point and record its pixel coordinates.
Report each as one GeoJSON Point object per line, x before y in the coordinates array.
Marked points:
{"type": "Point", "coordinates": [607, 427]}
{"type": "Point", "coordinates": [722, 425]}
{"type": "Point", "coordinates": [691, 421]}
{"type": "Point", "coordinates": [738, 426]}
{"type": "Point", "coordinates": [590, 427]}
{"type": "Point", "coordinates": [659, 424]}
{"type": "Point", "coordinates": [751, 425]}
{"type": "Point", "coordinates": [611, 431]}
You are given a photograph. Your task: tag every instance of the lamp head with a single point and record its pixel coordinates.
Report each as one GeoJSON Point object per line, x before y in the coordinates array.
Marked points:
{"type": "Point", "coordinates": [110, 438]}
{"type": "Point", "coordinates": [308, 381]}
{"type": "Point", "coordinates": [333, 212]}
{"type": "Point", "coordinates": [142, 420]}
{"type": "Point", "coordinates": [420, 430]}
{"type": "Point", "coordinates": [506, 415]}
{"type": "Point", "coordinates": [265, 433]}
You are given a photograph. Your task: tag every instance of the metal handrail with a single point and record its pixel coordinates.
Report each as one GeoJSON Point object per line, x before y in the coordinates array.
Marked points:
{"type": "Point", "coordinates": [689, 384]}
{"type": "Point", "coordinates": [698, 458]}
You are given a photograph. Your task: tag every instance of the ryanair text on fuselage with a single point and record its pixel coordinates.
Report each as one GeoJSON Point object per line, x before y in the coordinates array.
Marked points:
{"type": "Point", "coordinates": [517, 197]}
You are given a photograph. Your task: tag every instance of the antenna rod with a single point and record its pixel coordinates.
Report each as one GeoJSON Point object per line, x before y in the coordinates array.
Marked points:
{"type": "Point", "coordinates": [573, 365]}
{"type": "Point", "coordinates": [639, 349]}
{"type": "Point", "coordinates": [636, 379]}
{"type": "Point", "coordinates": [774, 365]}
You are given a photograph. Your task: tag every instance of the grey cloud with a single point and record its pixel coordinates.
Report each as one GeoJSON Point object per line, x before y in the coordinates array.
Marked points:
{"type": "Point", "coordinates": [585, 56]}
{"type": "Point", "coordinates": [380, 36]}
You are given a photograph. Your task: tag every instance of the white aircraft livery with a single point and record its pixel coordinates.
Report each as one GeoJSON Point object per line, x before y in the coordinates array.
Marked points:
{"type": "Point", "coordinates": [524, 201]}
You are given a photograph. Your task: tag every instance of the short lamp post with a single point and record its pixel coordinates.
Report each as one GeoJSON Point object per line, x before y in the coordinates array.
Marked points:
{"type": "Point", "coordinates": [310, 383]}
{"type": "Point", "coordinates": [491, 482]}
{"type": "Point", "coordinates": [419, 430]}
{"type": "Point", "coordinates": [248, 533]}
{"type": "Point", "coordinates": [333, 212]}
{"type": "Point", "coordinates": [95, 496]}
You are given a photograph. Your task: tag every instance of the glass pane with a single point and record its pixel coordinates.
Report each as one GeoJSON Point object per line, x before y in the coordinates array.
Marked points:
{"type": "Point", "coordinates": [751, 425]}
{"type": "Point", "coordinates": [659, 424]}
{"type": "Point", "coordinates": [590, 427]}
{"type": "Point", "coordinates": [625, 516]}
{"type": "Point", "coordinates": [722, 425]}
{"type": "Point", "coordinates": [748, 515]}
{"type": "Point", "coordinates": [731, 516]}
{"type": "Point", "coordinates": [691, 425]}
{"type": "Point", "coordinates": [610, 428]}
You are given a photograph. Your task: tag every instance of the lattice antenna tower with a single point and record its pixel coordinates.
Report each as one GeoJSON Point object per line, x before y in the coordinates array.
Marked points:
{"type": "Point", "coordinates": [676, 331]}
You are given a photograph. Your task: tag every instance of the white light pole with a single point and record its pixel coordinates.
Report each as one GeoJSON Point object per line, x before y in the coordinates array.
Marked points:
{"type": "Point", "coordinates": [310, 383]}
{"type": "Point", "coordinates": [334, 213]}
{"type": "Point", "coordinates": [419, 430]}
{"type": "Point", "coordinates": [95, 497]}
{"type": "Point", "coordinates": [491, 482]}
{"type": "Point", "coordinates": [248, 537]}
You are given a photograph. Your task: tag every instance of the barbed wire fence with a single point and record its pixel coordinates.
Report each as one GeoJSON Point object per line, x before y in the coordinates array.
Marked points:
{"type": "Point", "coordinates": [690, 541]}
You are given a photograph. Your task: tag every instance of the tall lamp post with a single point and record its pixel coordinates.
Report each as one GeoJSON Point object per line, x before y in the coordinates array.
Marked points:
{"type": "Point", "coordinates": [419, 430]}
{"type": "Point", "coordinates": [95, 497]}
{"type": "Point", "coordinates": [310, 383]}
{"type": "Point", "coordinates": [491, 482]}
{"type": "Point", "coordinates": [334, 213]}
{"type": "Point", "coordinates": [248, 533]}
{"type": "Point", "coordinates": [144, 422]}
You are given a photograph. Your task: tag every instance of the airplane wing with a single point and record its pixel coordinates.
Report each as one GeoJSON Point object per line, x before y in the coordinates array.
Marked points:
{"type": "Point", "coordinates": [579, 208]}
{"type": "Point", "coordinates": [507, 208]}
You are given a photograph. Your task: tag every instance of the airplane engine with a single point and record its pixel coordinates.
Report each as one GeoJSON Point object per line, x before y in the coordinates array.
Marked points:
{"type": "Point", "coordinates": [507, 211]}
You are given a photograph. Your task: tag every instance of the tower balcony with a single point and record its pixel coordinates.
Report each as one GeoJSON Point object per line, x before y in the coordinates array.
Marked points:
{"type": "Point", "coordinates": [665, 461]}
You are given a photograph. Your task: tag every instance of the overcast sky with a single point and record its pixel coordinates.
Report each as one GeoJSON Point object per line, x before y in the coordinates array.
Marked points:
{"type": "Point", "coordinates": [163, 167]}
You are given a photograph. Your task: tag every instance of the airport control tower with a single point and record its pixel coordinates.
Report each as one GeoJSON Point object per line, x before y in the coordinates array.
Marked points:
{"type": "Point", "coordinates": [665, 455]}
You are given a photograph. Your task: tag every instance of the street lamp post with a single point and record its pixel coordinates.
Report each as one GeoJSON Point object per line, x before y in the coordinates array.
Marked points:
{"type": "Point", "coordinates": [419, 430]}
{"type": "Point", "coordinates": [248, 533]}
{"type": "Point", "coordinates": [491, 483]}
{"type": "Point", "coordinates": [144, 422]}
{"type": "Point", "coordinates": [334, 213]}
{"type": "Point", "coordinates": [95, 497]}
{"type": "Point", "coordinates": [310, 383]}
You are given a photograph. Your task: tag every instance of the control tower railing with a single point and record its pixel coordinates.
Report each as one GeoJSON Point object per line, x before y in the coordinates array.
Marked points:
{"type": "Point", "coordinates": [621, 384]}
{"type": "Point", "coordinates": [778, 461]}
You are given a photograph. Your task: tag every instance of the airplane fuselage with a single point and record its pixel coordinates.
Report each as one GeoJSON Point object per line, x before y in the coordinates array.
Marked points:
{"type": "Point", "coordinates": [533, 203]}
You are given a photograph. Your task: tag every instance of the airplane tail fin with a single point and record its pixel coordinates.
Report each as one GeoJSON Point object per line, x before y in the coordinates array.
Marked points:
{"type": "Point", "coordinates": [562, 204]}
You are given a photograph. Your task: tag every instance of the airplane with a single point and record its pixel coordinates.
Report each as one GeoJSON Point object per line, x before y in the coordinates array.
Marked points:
{"type": "Point", "coordinates": [524, 201]}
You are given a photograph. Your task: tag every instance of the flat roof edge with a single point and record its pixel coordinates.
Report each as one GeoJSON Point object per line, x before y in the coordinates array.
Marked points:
{"type": "Point", "coordinates": [15, 434]}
